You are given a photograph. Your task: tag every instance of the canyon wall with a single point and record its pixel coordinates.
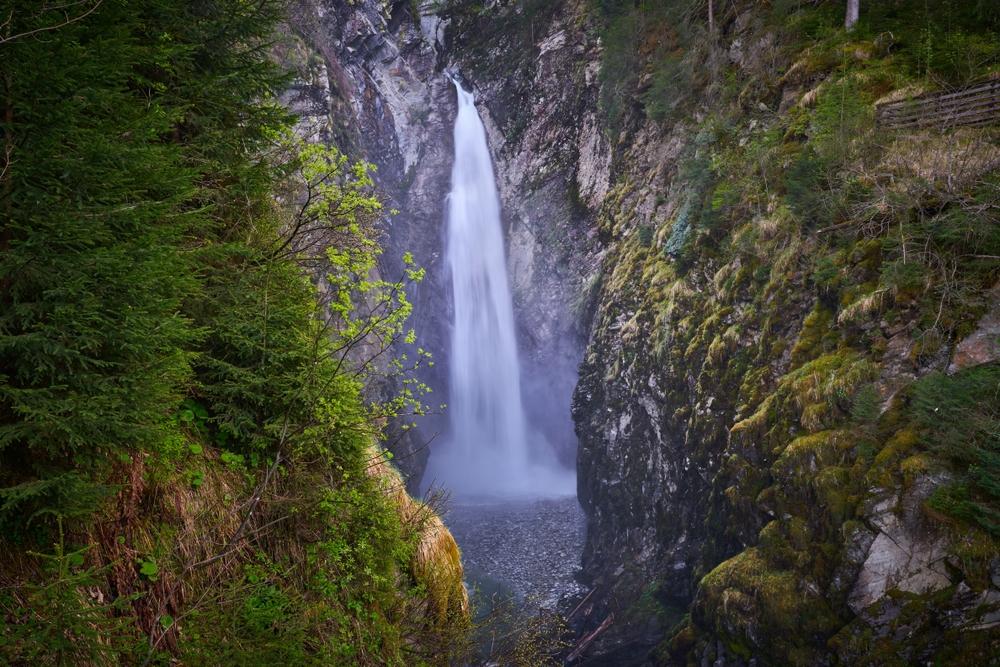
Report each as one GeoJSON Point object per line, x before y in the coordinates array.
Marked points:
{"type": "Point", "coordinates": [371, 78]}
{"type": "Point", "coordinates": [368, 79]}
{"type": "Point", "coordinates": [774, 325]}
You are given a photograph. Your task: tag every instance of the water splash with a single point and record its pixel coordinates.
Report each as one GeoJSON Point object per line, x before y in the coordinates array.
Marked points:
{"type": "Point", "coordinates": [491, 449]}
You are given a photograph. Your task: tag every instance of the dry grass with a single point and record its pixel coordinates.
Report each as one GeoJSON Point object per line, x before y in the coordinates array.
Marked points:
{"type": "Point", "coordinates": [437, 561]}
{"type": "Point", "coordinates": [865, 307]}
{"type": "Point", "coordinates": [168, 520]}
{"type": "Point", "coordinates": [951, 159]}
{"type": "Point", "coordinates": [200, 537]}
{"type": "Point", "coordinates": [900, 94]}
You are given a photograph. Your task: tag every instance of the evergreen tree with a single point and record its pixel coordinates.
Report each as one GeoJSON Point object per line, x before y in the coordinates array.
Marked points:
{"type": "Point", "coordinates": [135, 136]}
{"type": "Point", "coordinates": [96, 206]}
{"type": "Point", "coordinates": [156, 221]}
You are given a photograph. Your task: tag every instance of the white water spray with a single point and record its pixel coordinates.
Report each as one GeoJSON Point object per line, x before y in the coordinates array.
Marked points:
{"type": "Point", "coordinates": [491, 449]}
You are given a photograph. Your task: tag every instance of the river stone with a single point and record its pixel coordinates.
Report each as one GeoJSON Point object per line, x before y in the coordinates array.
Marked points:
{"type": "Point", "coordinates": [530, 547]}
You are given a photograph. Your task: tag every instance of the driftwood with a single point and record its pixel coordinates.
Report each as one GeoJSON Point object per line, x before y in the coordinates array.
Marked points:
{"type": "Point", "coordinates": [589, 639]}
{"type": "Point", "coordinates": [582, 602]}
{"type": "Point", "coordinates": [975, 105]}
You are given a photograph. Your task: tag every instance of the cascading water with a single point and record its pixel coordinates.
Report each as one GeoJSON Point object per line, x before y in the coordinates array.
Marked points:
{"type": "Point", "coordinates": [491, 449]}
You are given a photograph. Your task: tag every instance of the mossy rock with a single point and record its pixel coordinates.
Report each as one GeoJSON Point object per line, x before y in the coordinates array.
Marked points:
{"type": "Point", "coordinates": [808, 454]}
{"type": "Point", "coordinates": [751, 602]}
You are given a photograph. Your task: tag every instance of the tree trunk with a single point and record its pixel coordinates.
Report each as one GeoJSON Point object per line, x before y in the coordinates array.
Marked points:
{"type": "Point", "coordinates": [711, 17]}
{"type": "Point", "coordinates": [853, 9]}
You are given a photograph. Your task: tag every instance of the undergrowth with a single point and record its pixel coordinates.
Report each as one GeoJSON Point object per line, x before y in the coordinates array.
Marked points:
{"type": "Point", "coordinates": [190, 319]}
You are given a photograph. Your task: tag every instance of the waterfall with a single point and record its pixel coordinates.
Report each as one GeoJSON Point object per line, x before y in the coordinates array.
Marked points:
{"type": "Point", "coordinates": [490, 449]}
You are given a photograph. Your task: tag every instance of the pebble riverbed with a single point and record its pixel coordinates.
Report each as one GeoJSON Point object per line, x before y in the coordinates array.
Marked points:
{"type": "Point", "coordinates": [530, 548]}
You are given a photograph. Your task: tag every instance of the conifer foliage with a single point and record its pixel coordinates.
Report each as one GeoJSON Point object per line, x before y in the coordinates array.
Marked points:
{"type": "Point", "coordinates": [133, 142]}
{"type": "Point", "coordinates": [161, 236]}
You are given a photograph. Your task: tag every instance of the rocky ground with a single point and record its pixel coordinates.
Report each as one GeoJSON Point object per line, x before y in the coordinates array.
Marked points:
{"type": "Point", "coordinates": [530, 548]}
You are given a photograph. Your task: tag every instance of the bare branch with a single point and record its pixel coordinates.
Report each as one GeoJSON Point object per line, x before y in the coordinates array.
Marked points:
{"type": "Point", "coordinates": [65, 22]}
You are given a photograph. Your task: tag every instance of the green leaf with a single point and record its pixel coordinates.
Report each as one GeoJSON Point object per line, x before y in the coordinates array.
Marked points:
{"type": "Point", "coordinates": [149, 569]}
{"type": "Point", "coordinates": [233, 461]}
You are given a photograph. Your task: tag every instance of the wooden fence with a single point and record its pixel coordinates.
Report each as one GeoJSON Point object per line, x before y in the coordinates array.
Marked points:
{"type": "Point", "coordinates": [975, 105]}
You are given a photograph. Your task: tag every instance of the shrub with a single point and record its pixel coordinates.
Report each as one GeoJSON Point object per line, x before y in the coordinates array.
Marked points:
{"type": "Point", "coordinates": [619, 69]}
{"type": "Point", "coordinates": [671, 86]}
{"type": "Point", "coordinates": [645, 233]}
{"type": "Point", "coordinates": [53, 620]}
{"type": "Point", "coordinates": [960, 418]}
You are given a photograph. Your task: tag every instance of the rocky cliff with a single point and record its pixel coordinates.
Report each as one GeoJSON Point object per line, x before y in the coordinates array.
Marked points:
{"type": "Point", "coordinates": [786, 405]}
{"type": "Point", "coordinates": [371, 76]}
{"type": "Point", "coordinates": [368, 79]}
{"type": "Point", "coordinates": [758, 459]}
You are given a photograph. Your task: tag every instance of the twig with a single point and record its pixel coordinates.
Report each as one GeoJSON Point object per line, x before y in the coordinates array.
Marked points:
{"type": "Point", "coordinates": [11, 38]}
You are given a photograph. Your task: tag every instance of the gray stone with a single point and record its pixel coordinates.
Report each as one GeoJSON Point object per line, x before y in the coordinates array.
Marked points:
{"type": "Point", "coordinates": [899, 558]}
{"type": "Point", "coordinates": [982, 345]}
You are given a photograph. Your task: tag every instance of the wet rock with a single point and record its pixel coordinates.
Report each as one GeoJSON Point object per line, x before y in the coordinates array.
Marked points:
{"type": "Point", "coordinates": [906, 554]}
{"type": "Point", "coordinates": [372, 81]}
{"type": "Point", "coordinates": [896, 561]}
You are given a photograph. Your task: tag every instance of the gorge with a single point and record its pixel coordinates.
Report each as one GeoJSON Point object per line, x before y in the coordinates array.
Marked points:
{"type": "Point", "coordinates": [679, 220]}
{"type": "Point", "coordinates": [500, 332]}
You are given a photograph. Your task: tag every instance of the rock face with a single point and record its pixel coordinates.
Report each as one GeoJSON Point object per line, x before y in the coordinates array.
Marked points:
{"type": "Point", "coordinates": [899, 559]}
{"type": "Point", "coordinates": [369, 80]}
{"type": "Point", "coordinates": [762, 457]}
{"type": "Point", "coordinates": [983, 345]}
{"type": "Point", "coordinates": [372, 79]}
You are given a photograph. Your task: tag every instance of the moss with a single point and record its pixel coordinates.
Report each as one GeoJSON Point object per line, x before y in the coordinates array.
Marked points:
{"type": "Point", "coordinates": [682, 640]}
{"type": "Point", "coordinates": [437, 566]}
{"type": "Point", "coordinates": [817, 335]}
{"type": "Point", "coordinates": [771, 535]}
{"type": "Point", "coordinates": [900, 443]}
{"type": "Point", "coordinates": [835, 490]}
{"type": "Point", "coordinates": [717, 350]}
{"type": "Point", "coordinates": [975, 551]}
{"type": "Point", "coordinates": [814, 415]}
{"type": "Point", "coordinates": [915, 466]}
{"type": "Point", "coordinates": [436, 563]}
{"type": "Point", "coordinates": [862, 303]}
{"type": "Point", "coordinates": [831, 379]}
{"type": "Point", "coordinates": [754, 603]}
{"type": "Point", "coordinates": [759, 419]}
{"type": "Point", "coordinates": [819, 391]}
{"type": "Point", "coordinates": [804, 398]}
{"type": "Point", "coordinates": [697, 341]}
{"type": "Point", "coordinates": [809, 453]}
{"type": "Point", "coordinates": [799, 534]}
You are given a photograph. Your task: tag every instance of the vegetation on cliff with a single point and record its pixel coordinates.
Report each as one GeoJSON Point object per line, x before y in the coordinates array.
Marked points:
{"type": "Point", "coordinates": [189, 325]}
{"type": "Point", "coordinates": [800, 287]}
